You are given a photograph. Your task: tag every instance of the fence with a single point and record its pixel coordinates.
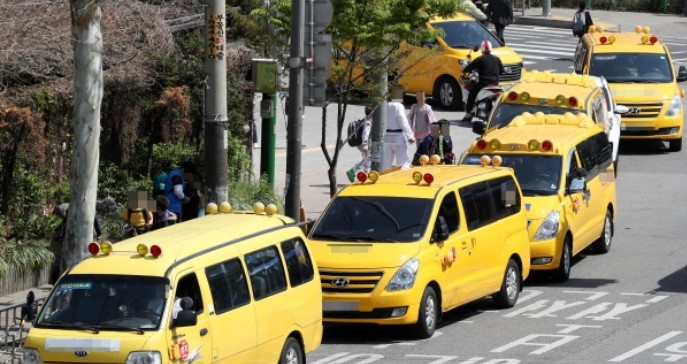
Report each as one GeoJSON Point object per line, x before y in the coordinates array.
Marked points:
{"type": "Point", "coordinates": [13, 330]}
{"type": "Point", "coordinates": [19, 280]}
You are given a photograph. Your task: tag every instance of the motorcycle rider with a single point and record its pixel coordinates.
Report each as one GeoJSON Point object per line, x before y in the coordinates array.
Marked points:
{"type": "Point", "coordinates": [488, 67]}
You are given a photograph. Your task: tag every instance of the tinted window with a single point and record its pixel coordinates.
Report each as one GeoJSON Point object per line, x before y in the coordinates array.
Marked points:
{"type": "Point", "coordinates": [228, 285]}
{"type": "Point", "coordinates": [632, 67]}
{"type": "Point", "coordinates": [266, 272]}
{"type": "Point", "coordinates": [505, 195]}
{"type": "Point", "coordinates": [595, 153]}
{"type": "Point", "coordinates": [479, 209]}
{"type": "Point", "coordinates": [188, 287]}
{"type": "Point", "coordinates": [449, 210]}
{"type": "Point", "coordinates": [465, 34]}
{"type": "Point", "coordinates": [539, 175]}
{"type": "Point", "coordinates": [374, 218]}
{"type": "Point", "coordinates": [298, 261]}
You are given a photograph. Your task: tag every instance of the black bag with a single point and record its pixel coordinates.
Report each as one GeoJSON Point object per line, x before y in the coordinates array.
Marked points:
{"type": "Point", "coordinates": [355, 132]}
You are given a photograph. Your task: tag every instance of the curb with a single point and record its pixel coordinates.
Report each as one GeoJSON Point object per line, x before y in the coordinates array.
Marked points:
{"type": "Point", "coordinates": [552, 21]}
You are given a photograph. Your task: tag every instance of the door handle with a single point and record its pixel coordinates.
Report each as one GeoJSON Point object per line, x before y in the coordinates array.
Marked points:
{"type": "Point", "coordinates": [465, 246]}
{"type": "Point", "coordinates": [203, 331]}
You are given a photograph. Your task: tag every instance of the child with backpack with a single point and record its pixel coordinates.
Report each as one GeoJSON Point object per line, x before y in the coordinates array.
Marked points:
{"type": "Point", "coordinates": [162, 216]}
{"type": "Point", "coordinates": [359, 136]}
{"type": "Point", "coordinates": [582, 20]}
{"type": "Point", "coordinates": [136, 216]}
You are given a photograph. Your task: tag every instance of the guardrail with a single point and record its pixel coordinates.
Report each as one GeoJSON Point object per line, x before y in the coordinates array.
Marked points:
{"type": "Point", "coordinates": [13, 330]}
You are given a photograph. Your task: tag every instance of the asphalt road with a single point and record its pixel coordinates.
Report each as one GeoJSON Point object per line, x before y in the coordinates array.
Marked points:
{"type": "Point", "coordinates": [627, 306]}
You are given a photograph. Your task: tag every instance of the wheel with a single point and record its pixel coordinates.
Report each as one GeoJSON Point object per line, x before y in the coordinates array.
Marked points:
{"type": "Point", "coordinates": [562, 273]}
{"type": "Point", "coordinates": [427, 318]}
{"type": "Point", "coordinates": [292, 353]}
{"type": "Point", "coordinates": [510, 288]}
{"type": "Point", "coordinates": [603, 244]}
{"type": "Point", "coordinates": [675, 145]}
{"type": "Point", "coordinates": [447, 93]}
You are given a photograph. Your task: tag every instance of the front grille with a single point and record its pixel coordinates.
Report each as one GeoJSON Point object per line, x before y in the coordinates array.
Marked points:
{"type": "Point", "coordinates": [514, 75]}
{"type": "Point", "coordinates": [349, 282]}
{"type": "Point", "coordinates": [641, 111]}
{"type": "Point", "coordinates": [647, 132]}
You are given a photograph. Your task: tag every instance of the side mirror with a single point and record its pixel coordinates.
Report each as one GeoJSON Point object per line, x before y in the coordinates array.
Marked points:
{"type": "Point", "coordinates": [681, 74]}
{"type": "Point", "coordinates": [479, 127]}
{"type": "Point", "coordinates": [440, 232]}
{"type": "Point", "coordinates": [621, 109]}
{"type": "Point", "coordinates": [186, 318]}
{"type": "Point", "coordinates": [427, 43]}
{"type": "Point", "coordinates": [577, 184]}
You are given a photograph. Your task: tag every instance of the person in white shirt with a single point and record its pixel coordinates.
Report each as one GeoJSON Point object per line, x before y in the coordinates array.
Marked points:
{"type": "Point", "coordinates": [398, 136]}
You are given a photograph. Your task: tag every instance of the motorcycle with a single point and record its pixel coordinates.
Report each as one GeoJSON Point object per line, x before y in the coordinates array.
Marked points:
{"type": "Point", "coordinates": [486, 97]}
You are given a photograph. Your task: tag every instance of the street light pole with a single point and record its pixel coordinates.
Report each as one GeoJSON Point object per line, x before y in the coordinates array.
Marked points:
{"type": "Point", "coordinates": [295, 125]}
{"type": "Point", "coordinates": [215, 116]}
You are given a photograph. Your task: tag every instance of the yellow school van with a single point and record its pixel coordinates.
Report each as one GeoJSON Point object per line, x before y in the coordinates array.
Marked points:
{"type": "Point", "coordinates": [223, 288]}
{"type": "Point", "coordinates": [401, 248]}
{"type": "Point", "coordinates": [641, 75]}
{"type": "Point", "coordinates": [564, 164]}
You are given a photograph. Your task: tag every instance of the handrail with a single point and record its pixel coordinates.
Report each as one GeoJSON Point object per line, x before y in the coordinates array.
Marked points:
{"type": "Point", "coordinates": [11, 321]}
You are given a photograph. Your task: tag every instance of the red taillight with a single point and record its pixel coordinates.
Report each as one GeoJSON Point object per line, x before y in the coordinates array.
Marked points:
{"type": "Point", "coordinates": [428, 177]}
{"type": "Point", "coordinates": [512, 96]}
{"type": "Point", "coordinates": [93, 248]}
{"type": "Point", "coordinates": [572, 101]}
{"type": "Point", "coordinates": [547, 146]}
{"type": "Point", "coordinates": [603, 40]}
{"type": "Point", "coordinates": [362, 176]}
{"type": "Point", "coordinates": [481, 144]}
{"type": "Point", "coordinates": [155, 251]}
{"type": "Point", "coordinates": [653, 39]}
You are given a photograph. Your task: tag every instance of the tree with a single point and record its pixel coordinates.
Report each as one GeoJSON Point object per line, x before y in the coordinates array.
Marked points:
{"type": "Point", "coordinates": [365, 39]}
{"type": "Point", "coordinates": [88, 94]}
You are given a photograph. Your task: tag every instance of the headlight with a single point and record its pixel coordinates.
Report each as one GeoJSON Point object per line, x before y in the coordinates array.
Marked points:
{"type": "Point", "coordinates": [675, 106]}
{"type": "Point", "coordinates": [404, 277]}
{"type": "Point", "coordinates": [31, 356]}
{"type": "Point", "coordinates": [549, 227]}
{"type": "Point", "coordinates": [144, 357]}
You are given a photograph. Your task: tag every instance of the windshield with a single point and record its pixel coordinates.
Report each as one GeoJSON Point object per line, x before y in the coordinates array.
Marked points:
{"type": "Point", "coordinates": [539, 175]}
{"type": "Point", "coordinates": [632, 67]}
{"type": "Point", "coordinates": [466, 34]}
{"type": "Point", "coordinates": [105, 302]}
{"type": "Point", "coordinates": [505, 113]}
{"type": "Point", "coordinates": [372, 218]}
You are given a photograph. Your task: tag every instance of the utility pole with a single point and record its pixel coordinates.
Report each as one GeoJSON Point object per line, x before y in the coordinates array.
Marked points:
{"type": "Point", "coordinates": [378, 124]}
{"type": "Point", "coordinates": [215, 117]}
{"type": "Point", "coordinates": [295, 125]}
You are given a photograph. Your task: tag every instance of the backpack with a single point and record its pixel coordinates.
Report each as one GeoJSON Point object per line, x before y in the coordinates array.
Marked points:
{"type": "Point", "coordinates": [144, 211]}
{"type": "Point", "coordinates": [159, 183]}
{"type": "Point", "coordinates": [355, 132]}
{"type": "Point", "coordinates": [578, 24]}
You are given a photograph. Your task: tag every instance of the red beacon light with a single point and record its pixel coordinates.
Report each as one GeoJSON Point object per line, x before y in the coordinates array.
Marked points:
{"type": "Point", "coordinates": [512, 96]}
{"type": "Point", "coordinates": [481, 144]}
{"type": "Point", "coordinates": [653, 39]}
{"type": "Point", "coordinates": [603, 39]}
{"type": "Point", "coordinates": [428, 178]}
{"type": "Point", "coordinates": [572, 101]}
{"type": "Point", "coordinates": [547, 146]}
{"type": "Point", "coordinates": [362, 176]}
{"type": "Point", "coordinates": [94, 248]}
{"type": "Point", "coordinates": [155, 251]}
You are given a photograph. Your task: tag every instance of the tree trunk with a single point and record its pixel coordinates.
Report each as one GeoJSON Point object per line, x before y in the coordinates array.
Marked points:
{"type": "Point", "coordinates": [88, 94]}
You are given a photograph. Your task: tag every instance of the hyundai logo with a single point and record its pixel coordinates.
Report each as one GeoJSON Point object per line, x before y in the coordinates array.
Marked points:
{"type": "Point", "coordinates": [81, 354]}
{"type": "Point", "coordinates": [507, 70]}
{"type": "Point", "coordinates": [341, 282]}
{"type": "Point", "coordinates": [634, 110]}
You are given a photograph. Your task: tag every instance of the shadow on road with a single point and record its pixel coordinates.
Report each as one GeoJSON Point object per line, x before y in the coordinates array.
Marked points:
{"type": "Point", "coordinates": [674, 282]}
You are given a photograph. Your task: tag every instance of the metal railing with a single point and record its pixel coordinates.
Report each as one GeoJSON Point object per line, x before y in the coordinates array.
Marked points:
{"type": "Point", "coordinates": [13, 330]}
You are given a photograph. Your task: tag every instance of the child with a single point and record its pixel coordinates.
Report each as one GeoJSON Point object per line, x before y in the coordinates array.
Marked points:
{"type": "Point", "coordinates": [364, 164]}
{"type": "Point", "coordinates": [436, 143]}
{"type": "Point", "coordinates": [162, 216]}
{"type": "Point", "coordinates": [137, 215]}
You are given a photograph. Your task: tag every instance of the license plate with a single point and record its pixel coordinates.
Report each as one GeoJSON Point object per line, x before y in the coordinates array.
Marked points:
{"type": "Point", "coordinates": [340, 306]}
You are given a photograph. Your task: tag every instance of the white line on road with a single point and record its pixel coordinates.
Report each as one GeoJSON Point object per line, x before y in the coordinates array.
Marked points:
{"type": "Point", "coordinates": [526, 50]}
{"type": "Point", "coordinates": [648, 345]}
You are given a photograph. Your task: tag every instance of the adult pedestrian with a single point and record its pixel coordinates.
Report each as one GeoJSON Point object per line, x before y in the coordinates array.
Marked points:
{"type": "Point", "coordinates": [421, 116]}
{"type": "Point", "coordinates": [364, 164]}
{"type": "Point", "coordinates": [174, 191]}
{"type": "Point", "coordinates": [582, 20]}
{"type": "Point", "coordinates": [488, 66]}
{"type": "Point", "coordinates": [398, 136]}
{"type": "Point", "coordinates": [191, 205]}
{"type": "Point", "coordinates": [500, 12]}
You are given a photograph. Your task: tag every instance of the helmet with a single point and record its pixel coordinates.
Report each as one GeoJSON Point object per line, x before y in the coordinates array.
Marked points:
{"type": "Point", "coordinates": [485, 46]}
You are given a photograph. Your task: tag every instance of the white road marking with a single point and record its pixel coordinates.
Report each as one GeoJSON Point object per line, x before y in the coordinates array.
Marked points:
{"type": "Point", "coordinates": [646, 346]}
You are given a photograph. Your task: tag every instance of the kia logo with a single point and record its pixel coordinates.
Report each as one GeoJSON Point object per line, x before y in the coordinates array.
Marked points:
{"type": "Point", "coordinates": [341, 282]}
{"type": "Point", "coordinates": [81, 354]}
{"type": "Point", "coordinates": [634, 110]}
{"type": "Point", "coordinates": [507, 70]}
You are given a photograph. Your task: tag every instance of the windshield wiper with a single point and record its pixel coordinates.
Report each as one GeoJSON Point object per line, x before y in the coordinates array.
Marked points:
{"type": "Point", "coordinates": [371, 238]}
{"type": "Point", "coordinates": [330, 236]}
{"type": "Point", "coordinates": [69, 325]}
{"type": "Point", "coordinates": [138, 330]}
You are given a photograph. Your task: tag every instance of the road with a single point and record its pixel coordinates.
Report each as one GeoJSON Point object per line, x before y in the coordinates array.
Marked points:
{"type": "Point", "coordinates": [627, 306]}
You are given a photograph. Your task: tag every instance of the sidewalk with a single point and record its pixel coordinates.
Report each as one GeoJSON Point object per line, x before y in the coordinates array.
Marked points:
{"type": "Point", "coordinates": [660, 24]}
